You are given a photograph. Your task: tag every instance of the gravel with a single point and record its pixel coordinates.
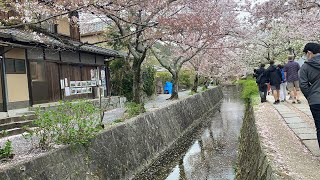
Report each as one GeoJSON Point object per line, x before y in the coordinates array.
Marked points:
{"type": "Point", "coordinates": [23, 150]}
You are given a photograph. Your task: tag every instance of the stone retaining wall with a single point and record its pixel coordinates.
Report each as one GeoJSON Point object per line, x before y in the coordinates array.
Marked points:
{"type": "Point", "coordinates": [253, 162]}
{"type": "Point", "coordinates": [124, 149]}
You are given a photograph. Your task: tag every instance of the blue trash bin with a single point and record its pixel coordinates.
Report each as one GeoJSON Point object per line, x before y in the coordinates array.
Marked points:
{"type": "Point", "coordinates": [168, 88]}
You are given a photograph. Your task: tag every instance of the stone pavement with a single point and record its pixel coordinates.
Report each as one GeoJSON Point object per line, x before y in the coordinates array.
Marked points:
{"type": "Point", "coordinates": [305, 132]}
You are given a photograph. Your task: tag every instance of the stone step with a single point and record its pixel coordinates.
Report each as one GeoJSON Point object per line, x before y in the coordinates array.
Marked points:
{"type": "Point", "coordinates": [12, 132]}
{"type": "Point", "coordinates": [28, 113]}
{"type": "Point", "coordinates": [13, 125]}
{"type": "Point", "coordinates": [16, 119]}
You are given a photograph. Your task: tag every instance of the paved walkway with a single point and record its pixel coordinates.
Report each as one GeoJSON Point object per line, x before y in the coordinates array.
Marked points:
{"type": "Point", "coordinates": [159, 102]}
{"type": "Point", "coordinates": [301, 126]}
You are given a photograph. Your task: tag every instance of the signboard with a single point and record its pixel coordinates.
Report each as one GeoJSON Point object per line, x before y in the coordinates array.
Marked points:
{"type": "Point", "coordinates": [81, 87]}
{"type": "Point", "coordinates": [67, 91]}
{"type": "Point", "coordinates": [62, 83]}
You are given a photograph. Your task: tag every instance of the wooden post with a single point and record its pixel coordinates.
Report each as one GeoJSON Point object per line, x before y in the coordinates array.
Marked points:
{"type": "Point", "coordinates": [29, 78]}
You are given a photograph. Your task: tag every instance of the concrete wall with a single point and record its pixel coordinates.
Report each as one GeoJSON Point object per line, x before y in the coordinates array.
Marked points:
{"type": "Point", "coordinates": [252, 160]}
{"type": "Point", "coordinates": [15, 53]}
{"type": "Point", "coordinates": [94, 38]}
{"type": "Point", "coordinates": [123, 150]}
{"type": "Point", "coordinates": [63, 26]}
{"type": "Point", "coordinates": [17, 84]}
{"type": "Point", "coordinates": [17, 87]}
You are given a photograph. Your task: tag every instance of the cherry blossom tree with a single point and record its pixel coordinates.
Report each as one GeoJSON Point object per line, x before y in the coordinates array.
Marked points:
{"type": "Point", "coordinates": [186, 27]}
{"type": "Point", "coordinates": [174, 58]}
{"type": "Point", "coordinates": [284, 26]}
{"type": "Point", "coordinates": [201, 25]}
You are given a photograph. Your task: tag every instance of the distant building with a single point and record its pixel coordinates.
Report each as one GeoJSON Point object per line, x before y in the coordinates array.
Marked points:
{"type": "Point", "coordinates": [93, 32]}
{"type": "Point", "coordinates": [92, 28]}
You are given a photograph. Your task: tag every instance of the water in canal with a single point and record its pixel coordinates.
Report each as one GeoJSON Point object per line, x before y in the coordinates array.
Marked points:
{"type": "Point", "coordinates": [211, 152]}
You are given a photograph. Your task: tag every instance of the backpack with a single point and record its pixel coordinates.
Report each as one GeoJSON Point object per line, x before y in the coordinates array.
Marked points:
{"type": "Point", "coordinates": [259, 78]}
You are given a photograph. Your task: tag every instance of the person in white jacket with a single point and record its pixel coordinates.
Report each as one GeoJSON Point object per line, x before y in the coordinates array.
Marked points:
{"type": "Point", "coordinates": [283, 85]}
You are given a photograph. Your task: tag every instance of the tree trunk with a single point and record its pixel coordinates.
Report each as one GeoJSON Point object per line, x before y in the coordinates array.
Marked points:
{"type": "Point", "coordinates": [195, 83]}
{"type": "Point", "coordinates": [175, 88]}
{"type": "Point", "coordinates": [137, 85]}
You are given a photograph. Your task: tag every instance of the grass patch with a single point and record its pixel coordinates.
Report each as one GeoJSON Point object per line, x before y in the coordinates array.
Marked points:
{"type": "Point", "coordinates": [192, 93]}
{"type": "Point", "coordinates": [134, 109]}
{"type": "Point", "coordinates": [204, 88]}
{"type": "Point", "coordinates": [255, 100]}
{"type": "Point", "coordinates": [250, 90]}
{"type": "Point", "coordinates": [117, 121]}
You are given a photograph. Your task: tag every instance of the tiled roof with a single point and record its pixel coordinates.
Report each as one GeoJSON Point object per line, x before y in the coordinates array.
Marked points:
{"type": "Point", "coordinates": [32, 38]}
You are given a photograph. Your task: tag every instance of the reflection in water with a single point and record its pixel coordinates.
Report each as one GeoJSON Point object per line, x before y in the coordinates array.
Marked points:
{"type": "Point", "coordinates": [212, 154]}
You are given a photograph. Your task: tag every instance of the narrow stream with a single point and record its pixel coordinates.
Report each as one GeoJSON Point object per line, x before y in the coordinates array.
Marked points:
{"type": "Point", "coordinates": [211, 153]}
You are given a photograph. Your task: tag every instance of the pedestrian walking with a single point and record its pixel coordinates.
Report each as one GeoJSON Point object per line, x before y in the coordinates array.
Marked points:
{"type": "Point", "coordinates": [283, 85]}
{"type": "Point", "coordinates": [291, 71]}
{"type": "Point", "coordinates": [310, 83]}
{"type": "Point", "coordinates": [275, 79]}
{"type": "Point", "coordinates": [262, 81]}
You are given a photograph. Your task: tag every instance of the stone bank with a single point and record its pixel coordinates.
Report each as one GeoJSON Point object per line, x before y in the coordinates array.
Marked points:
{"type": "Point", "coordinates": [253, 162]}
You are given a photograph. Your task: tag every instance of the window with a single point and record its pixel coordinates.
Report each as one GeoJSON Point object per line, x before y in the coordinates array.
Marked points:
{"type": "Point", "coordinates": [20, 66]}
{"type": "Point", "coordinates": [15, 66]}
{"type": "Point", "coordinates": [9, 66]}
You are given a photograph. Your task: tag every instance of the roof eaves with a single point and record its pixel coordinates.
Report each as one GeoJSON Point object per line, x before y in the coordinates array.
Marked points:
{"type": "Point", "coordinates": [18, 36]}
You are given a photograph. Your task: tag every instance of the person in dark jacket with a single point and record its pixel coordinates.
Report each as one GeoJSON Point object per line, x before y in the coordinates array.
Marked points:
{"type": "Point", "coordinates": [262, 82]}
{"type": "Point", "coordinates": [310, 81]}
{"type": "Point", "coordinates": [275, 78]}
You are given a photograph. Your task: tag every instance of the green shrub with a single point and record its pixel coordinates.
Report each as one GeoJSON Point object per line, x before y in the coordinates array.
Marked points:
{"type": "Point", "coordinates": [127, 86]}
{"type": "Point", "coordinates": [148, 78]}
{"type": "Point", "coordinates": [68, 123]}
{"type": "Point", "coordinates": [121, 79]}
{"type": "Point", "coordinates": [164, 76]}
{"type": "Point", "coordinates": [134, 109]}
{"type": "Point", "coordinates": [6, 151]}
{"type": "Point", "coordinates": [250, 89]}
{"type": "Point", "coordinates": [186, 78]}
{"type": "Point", "coordinates": [204, 88]}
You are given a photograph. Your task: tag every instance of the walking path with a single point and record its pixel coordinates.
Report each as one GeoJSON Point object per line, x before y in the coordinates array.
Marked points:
{"type": "Point", "coordinates": [286, 152]}
{"type": "Point", "coordinates": [299, 119]}
{"type": "Point", "coordinates": [159, 102]}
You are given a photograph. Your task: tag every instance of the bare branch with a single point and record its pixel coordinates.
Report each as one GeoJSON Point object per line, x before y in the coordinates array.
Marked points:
{"type": "Point", "coordinates": [161, 61]}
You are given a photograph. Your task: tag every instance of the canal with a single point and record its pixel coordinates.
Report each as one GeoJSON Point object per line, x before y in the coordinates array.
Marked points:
{"type": "Point", "coordinates": [210, 152]}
